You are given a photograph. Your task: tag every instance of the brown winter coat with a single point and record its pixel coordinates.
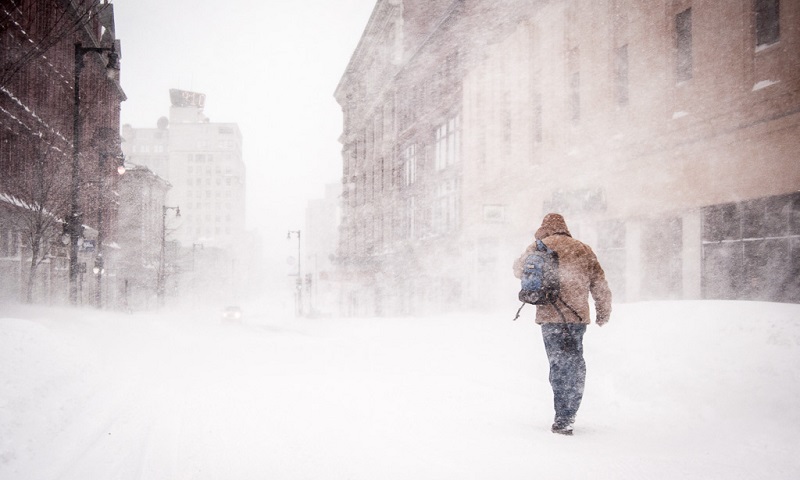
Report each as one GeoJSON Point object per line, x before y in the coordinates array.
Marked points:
{"type": "Point", "coordinates": [579, 273]}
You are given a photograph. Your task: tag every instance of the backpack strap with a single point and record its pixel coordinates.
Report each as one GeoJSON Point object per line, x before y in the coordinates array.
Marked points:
{"type": "Point", "coordinates": [541, 246]}
{"type": "Point", "coordinates": [557, 310]}
{"type": "Point", "coordinates": [519, 310]}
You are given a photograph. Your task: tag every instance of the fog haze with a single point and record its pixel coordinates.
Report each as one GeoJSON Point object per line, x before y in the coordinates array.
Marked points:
{"type": "Point", "coordinates": [269, 66]}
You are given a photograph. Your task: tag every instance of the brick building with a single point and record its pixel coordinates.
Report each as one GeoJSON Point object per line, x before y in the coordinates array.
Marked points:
{"type": "Point", "coordinates": [142, 195]}
{"type": "Point", "coordinates": [666, 132]}
{"type": "Point", "coordinates": [43, 43]}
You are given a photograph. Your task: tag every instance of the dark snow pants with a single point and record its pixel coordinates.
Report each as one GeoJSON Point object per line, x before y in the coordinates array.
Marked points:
{"type": "Point", "coordinates": [564, 345]}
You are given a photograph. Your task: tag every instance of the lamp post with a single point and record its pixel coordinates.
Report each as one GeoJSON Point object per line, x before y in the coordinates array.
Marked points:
{"type": "Point", "coordinates": [75, 219]}
{"type": "Point", "coordinates": [99, 268]}
{"type": "Point", "coordinates": [299, 282]}
{"type": "Point", "coordinates": [161, 281]}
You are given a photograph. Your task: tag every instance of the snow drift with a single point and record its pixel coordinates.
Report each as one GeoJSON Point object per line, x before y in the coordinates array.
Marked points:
{"type": "Point", "coordinates": [690, 390]}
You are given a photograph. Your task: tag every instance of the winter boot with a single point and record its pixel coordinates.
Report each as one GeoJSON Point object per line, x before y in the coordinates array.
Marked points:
{"type": "Point", "coordinates": [563, 426]}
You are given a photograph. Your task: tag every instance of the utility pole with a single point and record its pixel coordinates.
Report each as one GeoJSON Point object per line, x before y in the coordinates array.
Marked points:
{"type": "Point", "coordinates": [161, 280]}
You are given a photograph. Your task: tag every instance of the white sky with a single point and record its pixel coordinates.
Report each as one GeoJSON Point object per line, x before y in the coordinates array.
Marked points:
{"type": "Point", "coordinates": [270, 66]}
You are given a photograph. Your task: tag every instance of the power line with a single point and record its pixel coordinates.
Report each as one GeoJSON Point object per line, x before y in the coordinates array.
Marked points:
{"type": "Point", "coordinates": [64, 27]}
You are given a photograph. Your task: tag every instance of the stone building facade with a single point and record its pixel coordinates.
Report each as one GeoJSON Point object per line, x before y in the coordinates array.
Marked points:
{"type": "Point", "coordinates": [666, 132]}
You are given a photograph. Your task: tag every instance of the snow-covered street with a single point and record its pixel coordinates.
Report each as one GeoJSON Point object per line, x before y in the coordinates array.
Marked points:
{"type": "Point", "coordinates": [675, 390]}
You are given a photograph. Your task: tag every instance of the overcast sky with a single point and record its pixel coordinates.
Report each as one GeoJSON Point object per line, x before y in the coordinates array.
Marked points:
{"type": "Point", "coordinates": [271, 66]}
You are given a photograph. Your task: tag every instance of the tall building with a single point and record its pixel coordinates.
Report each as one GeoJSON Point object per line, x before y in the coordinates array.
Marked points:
{"type": "Point", "coordinates": [202, 160]}
{"type": "Point", "coordinates": [321, 242]}
{"type": "Point", "coordinates": [60, 101]}
{"type": "Point", "coordinates": [206, 245]}
{"type": "Point", "coordinates": [666, 132]}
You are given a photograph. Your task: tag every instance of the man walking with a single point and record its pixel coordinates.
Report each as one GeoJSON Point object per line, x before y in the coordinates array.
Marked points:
{"type": "Point", "coordinates": [564, 322]}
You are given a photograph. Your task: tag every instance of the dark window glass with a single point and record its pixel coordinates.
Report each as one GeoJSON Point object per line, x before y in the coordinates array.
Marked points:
{"type": "Point", "coordinates": [767, 269]}
{"type": "Point", "coordinates": [768, 29]}
{"type": "Point", "coordinates": [723, 271]}
{"type": "Point", "coordinates": [683, 31]}
{"type": "Point", "coordinates": [794, 215]}
{"type": "Point", "coordinates": [721, 222]}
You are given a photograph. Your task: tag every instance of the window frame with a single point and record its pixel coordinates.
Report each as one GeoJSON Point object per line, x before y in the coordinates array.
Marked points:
{"type": "Point", "coordinates": [684, 60]}
{"type": "Point", "coordinates": [767, 23]}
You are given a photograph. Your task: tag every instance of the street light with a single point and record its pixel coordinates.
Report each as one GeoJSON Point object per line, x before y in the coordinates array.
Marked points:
{"type": "Point", "coordinates": [162, 280]}
{"type": "Point", "coordinates": [75, 219]}
{"type": "Point", "coordinates": [299, 282]}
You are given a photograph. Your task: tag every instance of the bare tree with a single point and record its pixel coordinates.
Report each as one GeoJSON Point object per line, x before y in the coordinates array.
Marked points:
{"type": "Point", "coordinates": [37, 215]}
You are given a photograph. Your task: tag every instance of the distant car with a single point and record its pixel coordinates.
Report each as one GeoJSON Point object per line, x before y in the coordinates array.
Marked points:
{"type": "Point", "coordinates": [232, 313]}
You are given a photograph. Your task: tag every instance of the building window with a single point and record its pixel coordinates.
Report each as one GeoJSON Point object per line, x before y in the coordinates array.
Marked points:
{"type": "Point", "coordinates": [621, 75]}
{"type": "Point", "coordinates": [448, 143]}
{"type": "Point", "coordinates": [507, 123]}
{"type": "Point", "coordinates": [411, 218]}
{"type": "Point", "coordinates": [9, 243]}
{"type": "Point", "coordinates": [750, 250]}
{"type": "Point", "coordinates": [537, 117]}
{"type": "Point", "coordinates": [410, 164]}
{"type": "Point", "coordinates": [768, 30]}
{"type": "Point", "coordinates": [446, 206]}
{"type": "Point", "coordinates": [683, 45]}
{"type": "Point", "coordinates": [575, 97]}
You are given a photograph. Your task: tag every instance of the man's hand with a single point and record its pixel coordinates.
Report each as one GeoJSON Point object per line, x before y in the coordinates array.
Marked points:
{"type": "Point", "coordinates": [600, 321]}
